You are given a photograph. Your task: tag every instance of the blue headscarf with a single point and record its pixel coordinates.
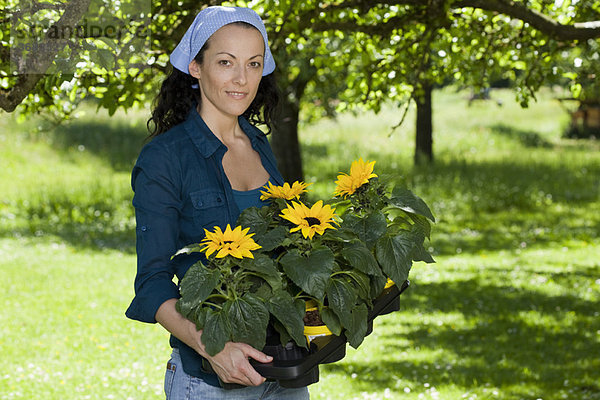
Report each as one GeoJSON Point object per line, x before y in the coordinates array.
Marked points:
{"type": "Point", "coordinates": [207, 22]}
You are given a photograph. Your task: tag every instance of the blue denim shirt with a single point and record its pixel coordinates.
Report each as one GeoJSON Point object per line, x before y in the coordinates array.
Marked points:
{"type": "Point", "coordinates": [180, 189]}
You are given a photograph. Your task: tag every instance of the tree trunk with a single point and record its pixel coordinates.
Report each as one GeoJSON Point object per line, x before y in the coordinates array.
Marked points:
{"type": "Point", "coordinates": [424, 136]}
{"type": "Point", "coordinates": [284, 141]}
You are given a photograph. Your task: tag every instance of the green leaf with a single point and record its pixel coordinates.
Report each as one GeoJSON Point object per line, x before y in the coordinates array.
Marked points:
{"type": "Point", "coordinates": [362, 282]}
{"type": "Point", "coordinates": [377, 284]}
{"type": "Point", "coordinates": [217, 331]}
{"type": "Point", "coordinates": [309, 273]}
{"type": "Point", "coordinates": [290, 314]}
{"type": "Point", "coordinates": [361, 258]}
{"type": "Point", "coordinates": [111, 43]}
{"type": "Point", "coordinates": [421, 254]}
{"type": "Point", "coordinates": [263, 291]}
{"type": "Point", "coordinates": [197, 284]}
{"type": "Point", "coordinates": [264, 266]}
{"type": "Point", "coordinates": [421, 224]}
{"type": "Point", "coordinates": [192, 248]}
{"type": "Point", "coordinates": [184, 309]}
{"type": "Point", "coordinates": [341, 297]}
{"type": "Point", "coordinates": [394, 254]}
{"type": "Point", "coordinates": [368, 228]}
{"type": "Point", "coordinates": [261, 263]}
{"type": "Point", "coordinates": [257, 219]}
{"type": "Point", "coordinates": [200, 317]}
{"type": "Point", "coordinates": [339, 235]}
{"type": "Point", "coordinates": [284, 335]}
{"type": "Point", "coordinates": [104, 58]}
{"type": "Point", "coordinates": [331, 320]}
{"type": "Point", "coordinates": [248, 317]}
{"type": "Point", "coordinates": [73, 94]}
{"type": "Point", "coordinates": [356, 331]}
{"type": "Point", "coordinates": [419, 232]}
{"type": "Point", "coordinates": [405, 200]}
{"type": "Point", "coordinates": [273, 238]}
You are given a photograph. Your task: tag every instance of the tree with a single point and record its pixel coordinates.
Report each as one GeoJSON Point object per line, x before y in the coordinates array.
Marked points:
{"type": "Point", "coordinates": [401, 49]}
{"type": "Point", "coordinates": [55, 54]}
{"type": "Point", "coordinates": [331, 55]}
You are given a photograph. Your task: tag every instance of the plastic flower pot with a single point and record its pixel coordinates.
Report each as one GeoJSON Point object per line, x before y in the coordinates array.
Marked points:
{"type": "Point", "coordinates": [321, 336]}
{"type": "Point", "coordinates": [311, 305]}
{"type": "Point", "coordinates": [388, 284]}
{"type": "Point", "coordinates": [393, 305]}
{"type": "Point", "coordinates": [294, 366]}
{"type": "Point", "coordinates": [283, 367]}
{"type": "Point", "coordinates": [312, 332]}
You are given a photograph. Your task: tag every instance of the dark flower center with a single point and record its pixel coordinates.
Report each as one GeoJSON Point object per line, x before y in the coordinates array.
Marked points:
{"type": "Point", "coordinates": [227, 241]}
{"type": "Point", "coordinates": [312, 221]}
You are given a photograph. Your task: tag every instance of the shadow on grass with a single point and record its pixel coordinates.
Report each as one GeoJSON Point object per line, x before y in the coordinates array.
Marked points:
{"type": "Point", "coordinates": [526, 138]}
{"type": "Point", "coordinates": [81, 238]}
{"type": "Point", "coordinates": [500, 204]}
{"type": "Point", "coordinates": [481, 206]}
{"type": "Point", "coordinates": [515, 230]}
{"type": "Point", "coordinates": [101, 217]}
{"type": "Point", "coordinates": [484, 206]}
{"type": "Point", "coordinates": [116, 142]}
{"type": "Point", "coordinates": [502, 344]}
{"type": "Point", "coordinates": [103, 224]}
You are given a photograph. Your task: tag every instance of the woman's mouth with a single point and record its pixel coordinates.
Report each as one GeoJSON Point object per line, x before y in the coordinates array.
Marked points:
{"type": "Point", "coordinates": [236, 95]}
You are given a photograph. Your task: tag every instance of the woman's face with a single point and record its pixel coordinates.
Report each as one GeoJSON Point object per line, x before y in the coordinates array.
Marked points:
{"type": "Point", "coordinates": [231, 70]}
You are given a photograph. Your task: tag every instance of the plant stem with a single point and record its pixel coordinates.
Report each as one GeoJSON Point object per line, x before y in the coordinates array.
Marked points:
{"type": "Point", "coordinates": [341, 273]}
{"type": "Point", "coordinates": [218, 296]}
{"type": "Point", "coordinates": [213, 305]}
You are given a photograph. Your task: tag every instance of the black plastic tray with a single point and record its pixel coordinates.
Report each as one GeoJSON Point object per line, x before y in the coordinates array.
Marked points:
{"type": "Point", "coordinates": [293, 366]}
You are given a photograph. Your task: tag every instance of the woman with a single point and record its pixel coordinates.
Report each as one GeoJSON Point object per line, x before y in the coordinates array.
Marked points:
{"type": "Point", "coordinates": [205, 163]}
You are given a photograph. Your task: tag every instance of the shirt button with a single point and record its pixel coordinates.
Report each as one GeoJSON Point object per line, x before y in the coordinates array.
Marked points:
{"type": "Point", "coordinates": [144, 228]}
{"type": "Point", "coordinates": [219, 200]}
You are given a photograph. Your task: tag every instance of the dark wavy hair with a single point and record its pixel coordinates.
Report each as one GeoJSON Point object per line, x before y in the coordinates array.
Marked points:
{"type": "Point", "coordinates": [176, 97]}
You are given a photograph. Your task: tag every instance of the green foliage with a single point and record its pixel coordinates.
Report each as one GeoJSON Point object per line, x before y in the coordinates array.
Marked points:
{"type": "Point", "coordinates": [289, 312]}
{"type": "Point", "coordinates": [108, 56]}
{"type": "Point", "coordinates": [369, 227]}
{"type": "Point", "coordinates": [309, 272]}
{"type": "Point", "coordinates": [358, 255]}
{"type": "Point", "coordinates": [195, 289]}
{"type": "Point", "coordinates": [331, 57]}
{"type": "Point", "coordinates": [341, 271]}
{"type": "Point", "coordinates": [228, 297]}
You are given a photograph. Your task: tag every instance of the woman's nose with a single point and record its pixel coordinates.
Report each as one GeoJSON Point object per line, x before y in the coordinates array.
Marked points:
{"type": "Point", "coordinates": [240, 75]}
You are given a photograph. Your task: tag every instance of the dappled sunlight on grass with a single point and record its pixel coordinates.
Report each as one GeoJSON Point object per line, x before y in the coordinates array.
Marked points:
{"type": "Point", "coordinates": [510, 311]}
{"type": "Point", "coordinates": [67, 335]}
{"type": "Point", "coordinates": [509, 329]}
{"type": "Point", "coordinates": [72, 182]}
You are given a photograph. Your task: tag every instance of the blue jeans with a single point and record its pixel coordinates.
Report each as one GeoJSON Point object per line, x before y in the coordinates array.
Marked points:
{"type": "Point", "coordinates": [181, 386]}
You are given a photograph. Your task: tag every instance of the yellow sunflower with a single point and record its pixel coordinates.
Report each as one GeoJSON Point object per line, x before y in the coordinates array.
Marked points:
{"type": "Point", "coordinates": [285, 192]}
{"type": "Point", "coordinates": [360, 173]}
{"type": "Point", "coordinates": [309, 220]}
{"type": "Point", "coordinates": [235, 242]}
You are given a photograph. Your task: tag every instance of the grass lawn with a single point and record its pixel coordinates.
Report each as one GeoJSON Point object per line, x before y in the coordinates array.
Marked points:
{"type": "Point", "coordinates": [511, 309]}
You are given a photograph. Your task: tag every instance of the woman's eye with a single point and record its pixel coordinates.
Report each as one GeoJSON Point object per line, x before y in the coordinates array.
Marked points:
{"type": "Point", "coordinates": [255, 64]}
{"type": "Point", "coordinates": [225, 62]}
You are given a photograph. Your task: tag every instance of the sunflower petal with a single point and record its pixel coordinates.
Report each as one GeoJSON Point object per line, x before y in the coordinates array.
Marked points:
{"type": "Point", "coordinates": [235, 242]}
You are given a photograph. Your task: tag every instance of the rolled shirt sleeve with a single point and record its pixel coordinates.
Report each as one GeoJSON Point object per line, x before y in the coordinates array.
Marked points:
{"type": "Point", "coordinates": [157, 202]}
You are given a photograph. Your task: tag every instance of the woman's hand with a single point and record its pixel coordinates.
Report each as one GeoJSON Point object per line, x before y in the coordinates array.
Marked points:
{"type": "Point", "coordinates": [231, 364]}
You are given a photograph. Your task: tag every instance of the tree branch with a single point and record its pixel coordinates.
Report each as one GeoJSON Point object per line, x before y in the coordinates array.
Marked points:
{"type": "Point", "coordinates": [35, 7]}
{"type": "Point", "coordinates": [380, 29]}
{"type": "Point", "coordinates": [538, 20]}
{"type": "Point", "coordinates": [541, 22]}
{"type": "Point", "coordinates": [42, 57]}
